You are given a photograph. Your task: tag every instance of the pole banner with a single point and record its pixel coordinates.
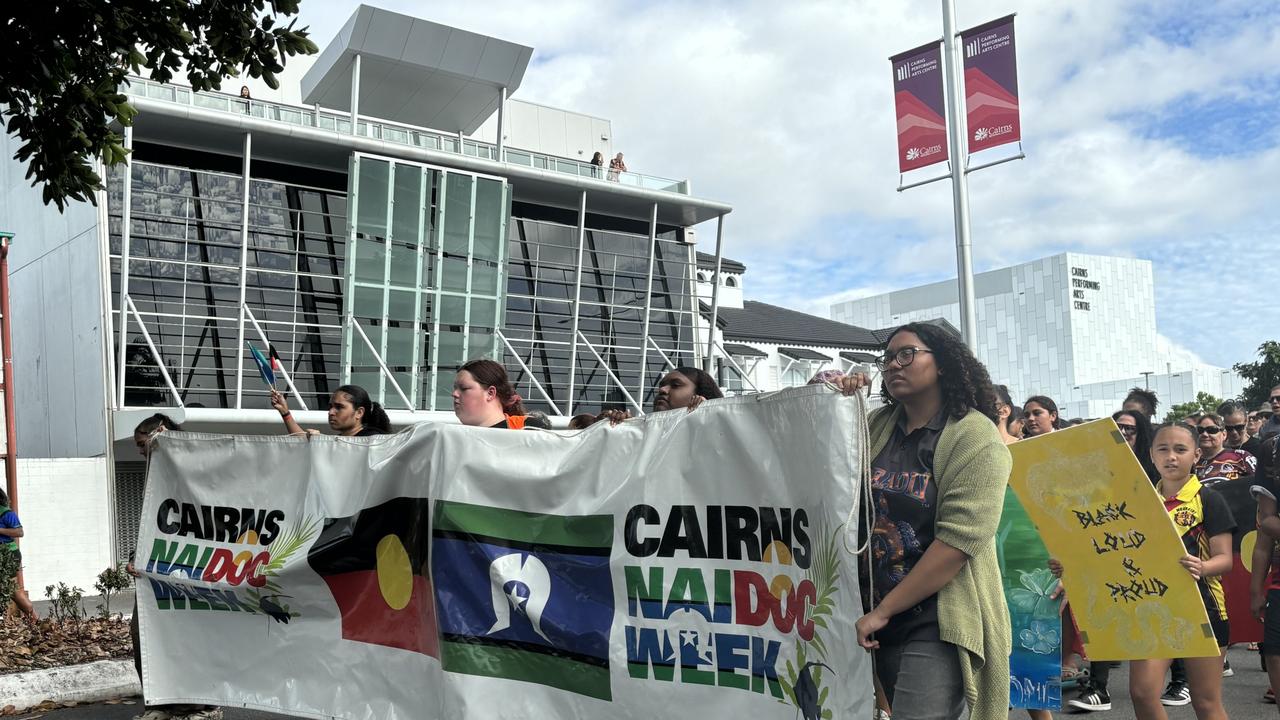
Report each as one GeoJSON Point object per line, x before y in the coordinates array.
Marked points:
{"type": "Point", "coordinates": [920, 102]}
{"type": "Point", "coordinates": [688, 564]}
{"type": "Point", "coordinates": [1035, 665]}
{"type": "Point", "coordinates": [991, 85]}
{"type": "Point", "coordinates": [1099, 515]}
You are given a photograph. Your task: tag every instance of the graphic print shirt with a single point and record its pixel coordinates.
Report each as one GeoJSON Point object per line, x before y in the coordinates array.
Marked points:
{"type": "Point", "coordinates": [1199, 513]}
{"type": "Point", "coordinates": [906, 505]}
{"type": "Point", "coordinates": [1230, 464]}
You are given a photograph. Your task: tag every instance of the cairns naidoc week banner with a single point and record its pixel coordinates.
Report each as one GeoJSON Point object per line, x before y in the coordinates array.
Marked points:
{"type": "Point", "coordinates": [689, 564]}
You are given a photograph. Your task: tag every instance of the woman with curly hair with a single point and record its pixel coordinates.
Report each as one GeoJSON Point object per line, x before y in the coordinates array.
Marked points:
{"type": "Point", "coordinates": [938, 623]}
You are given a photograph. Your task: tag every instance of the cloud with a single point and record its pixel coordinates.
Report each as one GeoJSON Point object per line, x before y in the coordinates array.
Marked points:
{"type": "Point", "coordinates": [1150, 130]}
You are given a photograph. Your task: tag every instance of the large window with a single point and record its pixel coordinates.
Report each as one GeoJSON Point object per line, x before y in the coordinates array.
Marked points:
{"type": "Point", "coordinates": [184, 278]}
{"type": "Point", "coordinates": [425, 277]}
{"type": "Point", "coordinates": [541, 273]}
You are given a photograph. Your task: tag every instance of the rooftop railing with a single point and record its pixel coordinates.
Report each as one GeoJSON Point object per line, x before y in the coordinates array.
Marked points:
{"type": "Point", "coordinates": [340, 123]}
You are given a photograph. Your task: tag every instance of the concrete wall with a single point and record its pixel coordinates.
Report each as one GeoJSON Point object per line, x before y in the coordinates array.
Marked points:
{"type": "Point", "coordinates": [552, 131]}
{"type": "Point", "coordinates": [56, 302]}
{"type": "Point", "coordinates": [65, 508]}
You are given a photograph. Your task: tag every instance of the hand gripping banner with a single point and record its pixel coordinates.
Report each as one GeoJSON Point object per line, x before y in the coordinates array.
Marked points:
{"type": "Point", "coordinates": [683, 564]}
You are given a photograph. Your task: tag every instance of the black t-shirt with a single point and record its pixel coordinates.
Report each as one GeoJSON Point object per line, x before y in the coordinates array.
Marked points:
{"type": "Point", "coordinates": [906, 506]}
{"type": "Point", "coordinates": [365, 430]}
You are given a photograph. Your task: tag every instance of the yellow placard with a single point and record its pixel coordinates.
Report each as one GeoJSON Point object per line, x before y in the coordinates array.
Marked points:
{"type": "Point", "coordinates": [1099, 516]}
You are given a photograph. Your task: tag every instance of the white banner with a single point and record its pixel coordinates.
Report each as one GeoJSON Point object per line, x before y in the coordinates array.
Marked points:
{"type": "Point", "coordinates": [683, 564]}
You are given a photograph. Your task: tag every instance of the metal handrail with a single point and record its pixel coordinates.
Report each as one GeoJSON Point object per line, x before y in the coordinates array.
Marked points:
{"type": "Point", "coordinates": [612, 376]}
{"type": "Point", "coordinates": [385, 372]}
{"type": "Point", "coordinates": [312, 116]}
{"type": "Point", "coordinates": [283, 373]}
{"type": "Point", "coordinates": [155, 354]}
{"type": "Point", "coordinates": [555, 408]}
{"type": "Point", "coordinates": [665, 358]}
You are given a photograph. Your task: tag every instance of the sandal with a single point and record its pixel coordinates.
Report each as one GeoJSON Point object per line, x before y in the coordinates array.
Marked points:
{"type": "Point", "coordinates": [1269, 696]}
{"type": "Point", "coordinates": [1074, 676]}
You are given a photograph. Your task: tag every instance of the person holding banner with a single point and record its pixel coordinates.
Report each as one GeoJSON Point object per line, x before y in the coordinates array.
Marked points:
{"type": "Point", "coordinates": [143, 434]}
{"type": "Point", "coordinates": [352, 413]}
{"type": "Point", "coordinates": [483, 396]}
{"type": "Point", "coordinates": [684, 387]}
{"type": "Point", "coordinates": [1203, 519]}
{"type": "Point", "coordinates": [939, 625]}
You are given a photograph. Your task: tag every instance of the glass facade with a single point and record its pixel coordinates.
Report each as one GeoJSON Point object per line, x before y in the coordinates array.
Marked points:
{"type": "Point", "coordinates": [184, 278]}
{"type": "Point", "coordinates": [541, 270]}
{"type": "Point", "coordinates": [425, 277]}
{"type": "Point", "coordinates": [431, 263]}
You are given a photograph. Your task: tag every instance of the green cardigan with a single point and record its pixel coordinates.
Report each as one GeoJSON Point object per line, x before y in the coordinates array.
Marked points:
{"type": "Point", "coordinates": [971, 468]}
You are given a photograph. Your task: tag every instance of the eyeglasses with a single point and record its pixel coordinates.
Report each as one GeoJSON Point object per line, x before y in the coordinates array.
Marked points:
{"type": "Point", "coordinates": [1275, 399]}
{"type": "Point", "coordinates": [907, 355]}
{"type": "Point", "coordinates": [1209, 430]}
{"type": "Point", "coordinates": [1235, 428]}
{"type": "Point", "coordinates": [1128, 429]}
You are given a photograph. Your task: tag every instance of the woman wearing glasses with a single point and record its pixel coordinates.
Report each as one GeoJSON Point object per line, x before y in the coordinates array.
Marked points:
{"type": "Point", "coordinates": [938, 624]}
{"type": "Point", "coordinates": [1219, 463]}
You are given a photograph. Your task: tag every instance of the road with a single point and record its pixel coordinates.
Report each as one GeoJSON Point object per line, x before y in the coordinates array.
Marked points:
{"type": "Point", "coordinates": [1242, 694]}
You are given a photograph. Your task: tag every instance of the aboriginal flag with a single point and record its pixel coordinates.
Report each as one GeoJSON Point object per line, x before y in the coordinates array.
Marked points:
{"type": "Point", "coordinates": [524, 596]}
{"type": "Point", "coordinates": [375, 564]}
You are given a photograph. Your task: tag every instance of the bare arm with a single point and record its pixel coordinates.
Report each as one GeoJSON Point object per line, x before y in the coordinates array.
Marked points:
{"type": "Point", "coordinates": [1219, 562]}
{"type": "Point", "coordinates": [281, 405]}
{"type": "Point", "coordinates": [1268, 520]}
{"type": "Point", "coordinates": [11, 532]}
{"type": "Point", "coordinates": [1262, 552]}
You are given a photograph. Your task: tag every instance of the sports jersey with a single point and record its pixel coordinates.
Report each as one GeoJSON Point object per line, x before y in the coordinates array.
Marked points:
{"type": "Point", "coordinates": [1230, 464]}
{"type": "Point", "coordinates": [1199, 513]}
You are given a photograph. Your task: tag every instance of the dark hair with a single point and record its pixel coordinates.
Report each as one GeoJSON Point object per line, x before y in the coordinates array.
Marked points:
{"type": "Point", "coordinates": [1195, 439]}
{"type": "Point", "coordinates": [1141, 441]}
{"type": "Point", "coordinates": [1146, 397]}
{"type": "Point", "coordinates": [581, 421]}
{"type": "Point", "coordinates": [962, 378]}
{"type": "Point", "coordinates": [1047, 403]}
{"type": "Point", "coordinates": [154, 423]}
{"type": "Point", "coordinates": [375, 418]}
{"type": "Point", "coordinates": [703, 383]}
{"type": "Point", "coordinates": [4, 498]}
{"type": "Point", "coordinates": [538, 420]}
{"type": "Point", "coordinates": [1003, 398]}
{"type": "Point", "coordinates": [491, 374]}
{"type": "Point", "coordinates": [1231, 407]}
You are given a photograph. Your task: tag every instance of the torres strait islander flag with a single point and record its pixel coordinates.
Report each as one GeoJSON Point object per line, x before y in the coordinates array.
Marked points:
{"type": "Point", "coordinates": [991, 85]}
{"type": "Point", "coordinates": [375, 564]}
{"type": "Point", "coordinates": [524, 596]}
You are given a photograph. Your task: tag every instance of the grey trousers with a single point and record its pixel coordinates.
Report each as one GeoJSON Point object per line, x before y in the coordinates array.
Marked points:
{"type": "Point", "coordinates": [922, 680]}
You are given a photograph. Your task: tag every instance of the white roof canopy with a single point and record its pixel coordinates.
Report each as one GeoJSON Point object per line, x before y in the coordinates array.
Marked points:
{"type": "Point", "coordinates": [415, 71]}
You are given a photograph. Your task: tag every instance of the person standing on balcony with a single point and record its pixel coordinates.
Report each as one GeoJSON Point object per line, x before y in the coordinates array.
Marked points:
{"type": "Point", "coordinates": [597, 165]}
{"type": "Point", "coordinates": [244, 92]}
{"type": "Point", "coordinates": [352, 413]}
{"type": "Point", "coordinates": [616, 167]}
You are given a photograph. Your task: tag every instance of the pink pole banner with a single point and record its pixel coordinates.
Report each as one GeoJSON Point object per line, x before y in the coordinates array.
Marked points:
{"type": "Point", "coordinates": [921, 107]}
{"type": "Point", "coordinates": [991, 85]}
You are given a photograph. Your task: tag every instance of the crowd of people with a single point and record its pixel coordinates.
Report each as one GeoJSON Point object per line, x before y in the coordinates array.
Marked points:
{"type": "Point", "coordinates": [936, 619]}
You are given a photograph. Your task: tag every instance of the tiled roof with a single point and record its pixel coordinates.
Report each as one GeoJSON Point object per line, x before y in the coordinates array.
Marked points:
{"type": "Point", "coordinates": [762, 322]}
{"type": "Point", "coordinates": [882, 336]}
{"type": "Point", "coordinates": [707, 261]}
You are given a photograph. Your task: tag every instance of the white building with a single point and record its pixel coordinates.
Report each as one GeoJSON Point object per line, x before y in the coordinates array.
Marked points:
{"type": "Point", "coordinates": [373, 223]}
{"type": "Point", "coordinates": [1078, 328]}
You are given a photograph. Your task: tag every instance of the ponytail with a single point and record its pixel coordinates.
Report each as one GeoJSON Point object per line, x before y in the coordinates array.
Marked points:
{"type": "Point", "coordinates": [376, 418]}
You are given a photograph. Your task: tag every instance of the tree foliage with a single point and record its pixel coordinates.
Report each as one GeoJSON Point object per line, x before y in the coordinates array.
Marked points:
{"type": "Point", "coordinates": [1261, 375]}
{"type": "Point", "coordinates": [60, 84]}
{"type": "Point", "coordinates": [1204, 403]}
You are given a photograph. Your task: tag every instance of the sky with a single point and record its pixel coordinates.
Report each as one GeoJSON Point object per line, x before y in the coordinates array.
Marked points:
{"type": "Point", "coordinates": [1152, 130]}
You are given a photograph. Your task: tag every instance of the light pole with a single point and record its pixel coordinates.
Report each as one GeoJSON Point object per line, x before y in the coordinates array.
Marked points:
{"type": "Point", "coordinates": [953, 66]}
{"type": "Point", "coordinates": [1146, 379]}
